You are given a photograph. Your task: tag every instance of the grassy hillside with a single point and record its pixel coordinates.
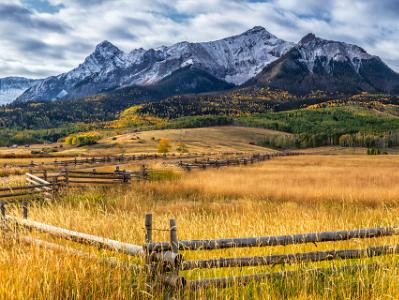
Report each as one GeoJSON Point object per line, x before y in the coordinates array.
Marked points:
{"type": "Point", "coordinates": [330, 123]}
{"type": "Point", "coordinates": [315, 120]}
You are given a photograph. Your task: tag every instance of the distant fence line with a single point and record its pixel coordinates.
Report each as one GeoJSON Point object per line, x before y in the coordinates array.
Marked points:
{"type": "Point", "coordinates": [257, 157]}
{"type": "Point", "coordinates": [68, 177]}
{"type": "Point", "coordinates": [44, 185]}
{"type": "Point", "coordinates": [118, 159]}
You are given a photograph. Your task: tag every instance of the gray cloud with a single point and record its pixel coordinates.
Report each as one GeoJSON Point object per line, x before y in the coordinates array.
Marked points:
{"type": "Point", "coordinates": [36, 43]}
{"type": "Point", "coordinates": [23, 17]}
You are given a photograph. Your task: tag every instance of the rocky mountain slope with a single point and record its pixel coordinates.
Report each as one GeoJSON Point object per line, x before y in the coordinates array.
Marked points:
{"type": "Point", "coordinates": [12, 87]}
{"type": "Point", "coordinates": [331, 66]}
{"type": "Point", "coordinates": [234, 60]}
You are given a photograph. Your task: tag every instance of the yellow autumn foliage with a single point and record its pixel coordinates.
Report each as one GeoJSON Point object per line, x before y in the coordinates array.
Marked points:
{"type": "Point", "coordinates": [130, 118]}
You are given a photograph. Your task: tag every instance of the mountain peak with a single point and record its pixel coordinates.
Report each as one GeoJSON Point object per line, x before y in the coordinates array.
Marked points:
{"type": "Point", "coordinates": [256, 29]}
{"type": "Point", "coordinates": [106, 49]}
{"type": "Point", "coordinates": [308, 38]}
{"type": "Point", "coordinates": [105, 44]}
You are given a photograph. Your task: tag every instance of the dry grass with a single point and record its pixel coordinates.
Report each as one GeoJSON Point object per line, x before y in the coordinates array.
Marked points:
{"type": "Point", "coordinates": [343, 179]}
{"type": "Point", "coordinates": [215, 139]}
{"type": "Point", "coordinates": [282, 196]}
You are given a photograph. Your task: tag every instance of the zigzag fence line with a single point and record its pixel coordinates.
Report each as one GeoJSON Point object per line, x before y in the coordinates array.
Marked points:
{"type": "Point", "coordinates": [120, 159]}
{"type": "Point", "coordinates": [204, 164]}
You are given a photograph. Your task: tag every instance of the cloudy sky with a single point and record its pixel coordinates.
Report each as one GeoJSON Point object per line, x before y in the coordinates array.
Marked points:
{"type": "Point", "coordinates": [40, 38]}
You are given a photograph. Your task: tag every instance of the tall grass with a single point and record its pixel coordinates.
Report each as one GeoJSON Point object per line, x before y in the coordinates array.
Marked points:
{"type": "Point", "coordinates": [282, 196]}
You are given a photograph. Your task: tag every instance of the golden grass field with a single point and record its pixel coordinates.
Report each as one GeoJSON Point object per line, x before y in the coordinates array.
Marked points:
{"type": "Point", "coordinates": [282, 196]}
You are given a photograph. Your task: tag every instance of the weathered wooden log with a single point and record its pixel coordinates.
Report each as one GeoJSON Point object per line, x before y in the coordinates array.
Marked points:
{"type": "Point", "coordinates": [47, 187]}
{"type": "Point", "coordinates": [96, 177]}
{"type": "Point", "coordinates": [90, 173]}
{"type": "Point", "coordinates": [247, 279]}
{"type": "Point", "coordinates": [94, 182]}
{"type": "Point", "coordinates": [20, 200]}
{"type": "Point", "coordinates": [24, 187]}
{"type": "Point", "coordinates": [290, 258]}
{"type": "Point", "coordinates": [112, 261]}
{"type": "Point", "coordinates": [278, 240]}
{"type": "Point", "coordinates": [20, 194]}
{"type": "Point", "coordinates": [38, 179]}
{"type": "Point", "coordinates": [83, 238]}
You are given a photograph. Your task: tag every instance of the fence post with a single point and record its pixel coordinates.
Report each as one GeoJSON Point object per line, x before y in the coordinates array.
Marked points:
{"type": "Point", "coordinates": [3, 209]}
{"type": "Point", "coordinates": [45, 175]}
{"type": "Point", "coordinates": [66, 177]}
{"type": "Point", "coordinates": [148, 262]}
{"type": "Point", "coordinates": [55, 187]}
{"type": "Point", "coordinates": [144, 173]}
{"type": "Point", "coordinates": [174, 282]}
{"type": "Point", "coordinates": [25, 210]}
{"type": "Point", "coordinates": [125, 177]}
{"type": "Point", "coordinates": [3, 219]}
{"type": "Point", "coordinates": [148, 228]}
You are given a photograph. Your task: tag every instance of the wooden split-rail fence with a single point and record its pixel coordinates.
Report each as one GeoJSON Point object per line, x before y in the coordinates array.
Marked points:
{"type": "Point", "coordinates": [36, 189]}
{"type": "Point", "coordinates": [120, 159]}
{"type": "Point", "coordinates": [45, 185]}
{"type": "Point", "coordinates": [164, 262]}
{"type": "Point", "coordinates": [68, 177]}
{"type": "Point", "coordinates": [215, 163]}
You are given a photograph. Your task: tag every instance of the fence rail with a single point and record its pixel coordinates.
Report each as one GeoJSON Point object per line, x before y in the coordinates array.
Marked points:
{"type": "Point", "coordinates": [82, 238]}
{"type": "Point", "coordinates": [165, 258]}
{"type": "Point", "coordinates": [36, 189]}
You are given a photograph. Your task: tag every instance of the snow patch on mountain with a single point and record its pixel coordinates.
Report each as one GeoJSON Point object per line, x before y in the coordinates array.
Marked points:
{"type": "Point", "coordinates": [187, 63]}
{"type": "Point", "coordinates": [62, 94]}
{"type": "Point", "coordinates": [13, 87]}
{"type": "Point", "coordinates": [9, 95]}
{"type": "Point", "coordinates": [314, 49]}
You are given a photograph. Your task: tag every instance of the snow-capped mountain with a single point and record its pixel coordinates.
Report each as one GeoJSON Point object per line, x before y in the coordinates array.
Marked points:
{"type": "Point", "coordinates": [316, 52]}
{"type": "Point", "coordinates": [12, 87]}
{"type": "Point", "coordinates": [319, 64]}
{"type": "Point", "coordinates": [234, 60]}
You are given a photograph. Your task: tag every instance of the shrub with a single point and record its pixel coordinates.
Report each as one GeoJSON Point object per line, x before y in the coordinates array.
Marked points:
{"type": "Point", "coordinates": [373, 151]}
{"type": "Point", "coordinates": [164, 146]}
{"type": "Point", "coordinates": [83, 139]}
{"type": "Point", "coordinates": [181, 148]}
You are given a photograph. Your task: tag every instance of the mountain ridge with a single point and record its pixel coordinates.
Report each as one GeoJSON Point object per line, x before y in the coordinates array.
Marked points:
{"type": "Point", "coordinates": [255, 57]}
{"type": "Point", "coordinates": [234, 59]}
